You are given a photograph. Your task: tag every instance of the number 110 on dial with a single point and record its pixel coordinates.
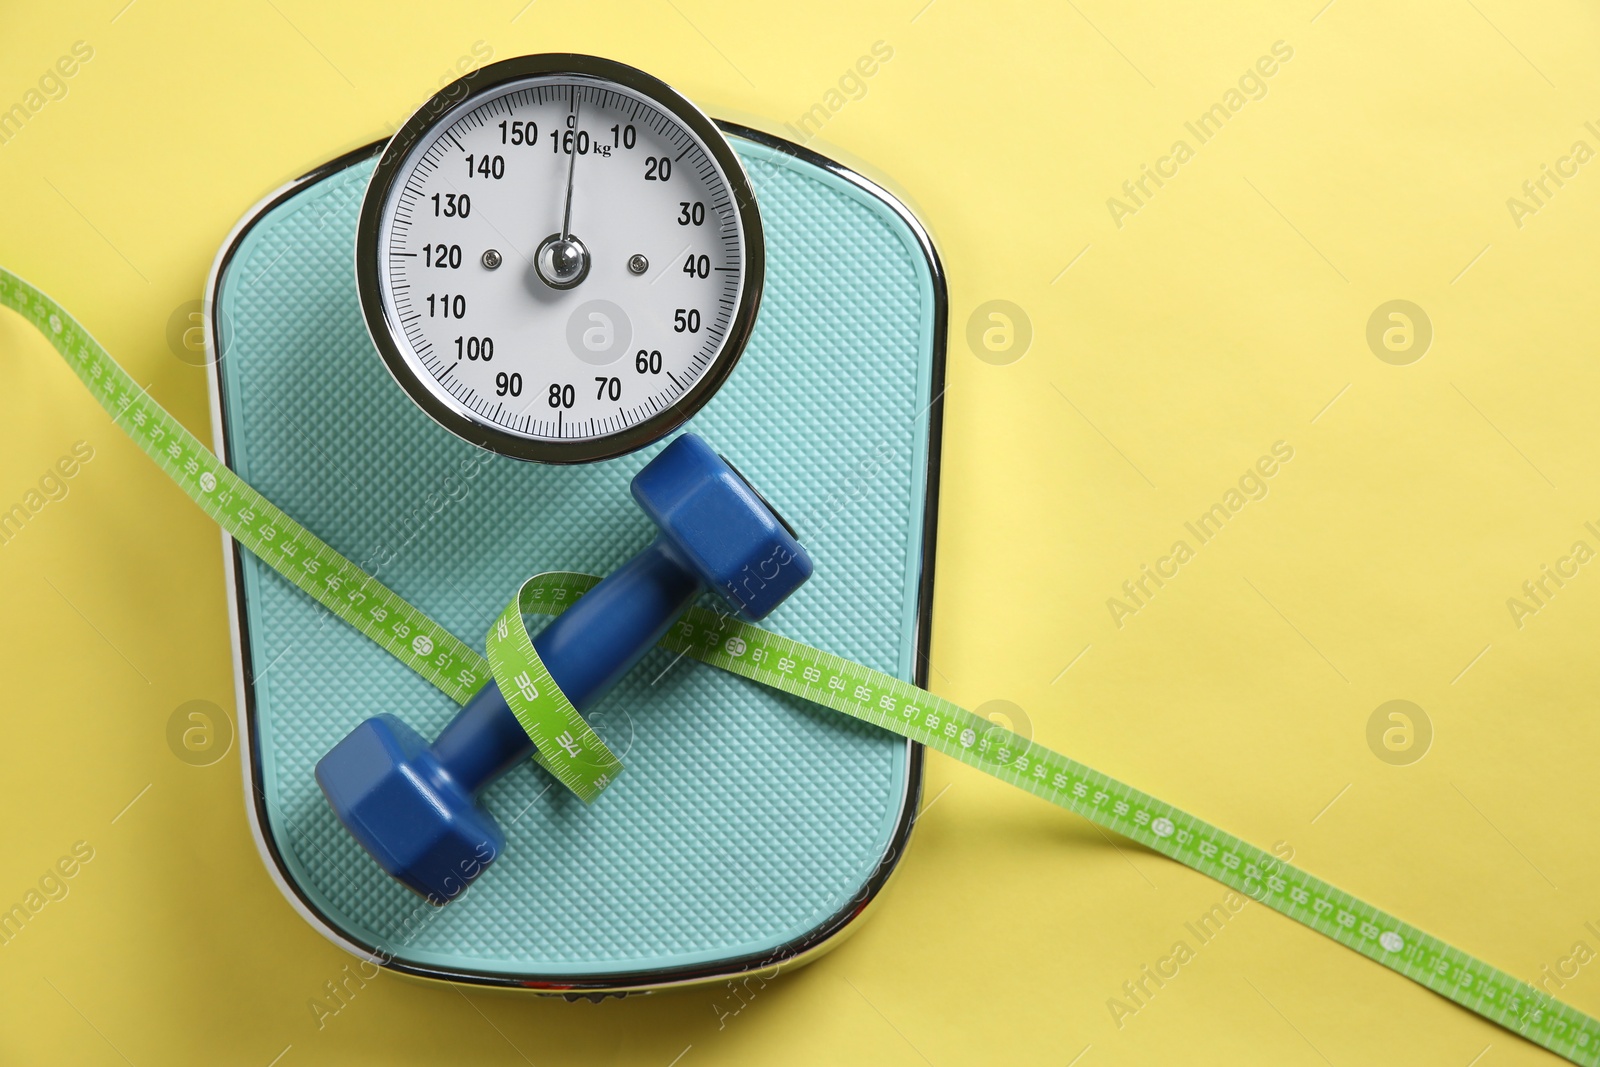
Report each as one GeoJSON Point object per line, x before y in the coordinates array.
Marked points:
{"type": "Point", "coordinates": [559, 258]}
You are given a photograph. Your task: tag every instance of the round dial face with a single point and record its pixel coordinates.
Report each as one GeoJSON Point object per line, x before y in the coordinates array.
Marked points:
{"type": "Point", "coordinates": [559, 258]}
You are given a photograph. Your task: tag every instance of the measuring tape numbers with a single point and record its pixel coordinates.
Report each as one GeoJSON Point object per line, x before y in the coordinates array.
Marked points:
{"type": "Point", "coordinates": [565, 745]}
{"type": "Point", "coordinates": [255, 522]}
{"type": "Point", "coordinates": [801, 671]}
{"type": "Point", "coordinates": [355, 596]}
{"type": "Point", "coordinates": [887, 702]}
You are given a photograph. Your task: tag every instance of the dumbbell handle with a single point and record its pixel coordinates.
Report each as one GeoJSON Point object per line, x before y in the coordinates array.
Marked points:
{"type": "Point", "coordinates": [586, 649]}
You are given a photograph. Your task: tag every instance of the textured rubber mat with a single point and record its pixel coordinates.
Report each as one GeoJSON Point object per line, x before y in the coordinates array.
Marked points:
{"type": "Point", "coordinates": [745, 820]}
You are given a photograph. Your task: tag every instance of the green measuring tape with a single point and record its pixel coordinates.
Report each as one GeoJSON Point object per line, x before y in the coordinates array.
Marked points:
{"type": "Point", "coordinates": [564, 744]}
{"type": "Point", "coordinates": [572, 752]}
{"type": "Point", "coordinates": [567, 747]}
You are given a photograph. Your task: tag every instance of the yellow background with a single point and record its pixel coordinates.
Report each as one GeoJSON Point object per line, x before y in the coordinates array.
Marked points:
{"type": "Point", "coordinates": [1222, 317]}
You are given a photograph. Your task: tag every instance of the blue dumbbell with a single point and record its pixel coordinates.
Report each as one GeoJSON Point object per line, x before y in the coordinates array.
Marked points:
{"type": "Point", "coordinates": [414, 808]}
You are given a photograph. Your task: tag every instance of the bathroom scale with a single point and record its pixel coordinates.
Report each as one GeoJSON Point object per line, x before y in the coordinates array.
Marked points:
{"type": "Point", "coordinates": [751, 830]}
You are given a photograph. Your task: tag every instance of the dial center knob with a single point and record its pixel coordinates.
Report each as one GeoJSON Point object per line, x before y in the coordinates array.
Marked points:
{"type": "Point", "coordinates": [562, 262]}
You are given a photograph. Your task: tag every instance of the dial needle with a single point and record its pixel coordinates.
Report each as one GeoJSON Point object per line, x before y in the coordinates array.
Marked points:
{"type": "Point", "coordinates": [572, 166]}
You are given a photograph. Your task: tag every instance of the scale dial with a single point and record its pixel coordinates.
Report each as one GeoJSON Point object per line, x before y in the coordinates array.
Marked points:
{"type": "Point", "coordinates": [559, 258]}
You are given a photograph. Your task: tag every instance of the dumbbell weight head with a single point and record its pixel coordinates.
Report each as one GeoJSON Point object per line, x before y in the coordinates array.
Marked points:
{"type": "Point", "coordinates": [411, 815]}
